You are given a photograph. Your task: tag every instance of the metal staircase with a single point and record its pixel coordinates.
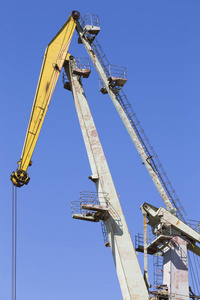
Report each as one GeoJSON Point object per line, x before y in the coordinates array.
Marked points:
{"type": "Point", "coordinates": [153, 159]}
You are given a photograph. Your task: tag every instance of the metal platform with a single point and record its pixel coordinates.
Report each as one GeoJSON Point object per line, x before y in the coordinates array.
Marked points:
{"type": "Point", "coordinates": [117, 81]}
{"type": "Point", "coordinates": [91, 207]}
{"type": "Point", "coordinates": [99, 212]}
{"type": "Point", "coordinates": [155, 246]}
{"type": "Point", "coordinates": [82, 72]}
{"type": "Point", "coordinates": [80, 67]}
{"type": "Point", "coordinates": [90, 29]}
{"type": "Point", "coordinates": [116, 76]}
{"type": "Point", "coordinates": [90, 25]}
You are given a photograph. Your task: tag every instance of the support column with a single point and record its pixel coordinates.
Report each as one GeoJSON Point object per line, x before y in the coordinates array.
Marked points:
{"type": "Point", "coordinates": [127, 266]}
{"type": "Point", "coordinates": [175, 269]}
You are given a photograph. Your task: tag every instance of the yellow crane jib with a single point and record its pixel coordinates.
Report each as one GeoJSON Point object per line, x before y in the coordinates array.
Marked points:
{"type": "Point", "coordinates": [54, 58]}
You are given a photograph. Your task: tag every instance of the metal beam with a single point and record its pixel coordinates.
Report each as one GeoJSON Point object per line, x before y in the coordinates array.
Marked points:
{"type": "Point", "coordinates": [124, 117]}
{"type": "Point", "coordinates": [125, 258]}
{"type": "Point", "coordinates": [161, 215]}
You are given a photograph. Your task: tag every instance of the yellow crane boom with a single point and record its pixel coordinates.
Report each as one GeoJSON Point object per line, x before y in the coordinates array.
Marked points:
{"type": "Point", "coordinates": [54, 58]}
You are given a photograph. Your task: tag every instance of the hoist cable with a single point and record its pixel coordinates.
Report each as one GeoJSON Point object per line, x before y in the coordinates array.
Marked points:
{"type": "Point", "coordinates": [12, 284]}
{"type": "Point", "coordinates": [14, 241]}
{"type": "Point", "coordinates": [15, 266]}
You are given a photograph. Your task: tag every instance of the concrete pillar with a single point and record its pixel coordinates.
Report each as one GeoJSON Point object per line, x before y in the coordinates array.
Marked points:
{"type": "Point", "coordinates": [175, 269]}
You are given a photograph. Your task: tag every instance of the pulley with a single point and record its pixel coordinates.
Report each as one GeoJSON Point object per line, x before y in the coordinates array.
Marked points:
{"type": "Point", "coordinates": [19, 178]}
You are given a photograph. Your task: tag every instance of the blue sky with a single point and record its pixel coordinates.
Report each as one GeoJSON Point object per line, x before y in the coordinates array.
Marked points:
{"type": "Point", "coordinates": [158, 42]}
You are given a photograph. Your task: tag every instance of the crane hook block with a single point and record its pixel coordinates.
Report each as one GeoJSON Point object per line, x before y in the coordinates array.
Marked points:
{"type": "Point", "coordinates": [76, 14]}
{"type": "Point", "coordinates": [19, 178]}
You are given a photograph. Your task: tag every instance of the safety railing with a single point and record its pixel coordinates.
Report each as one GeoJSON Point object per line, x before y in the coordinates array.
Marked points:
{"type": "Point", "coordinates": [139, 239]}
{"type": "Point", "coordinates": [80, 63]}
{"type": "Point", "coordinates": [91, 198]}
{"type": "Point", "coordinates": [90, 19]}
{"type": "Point", "coordinates": [117, 71]}
{"type": "Point", "coordinates": [194, 225]}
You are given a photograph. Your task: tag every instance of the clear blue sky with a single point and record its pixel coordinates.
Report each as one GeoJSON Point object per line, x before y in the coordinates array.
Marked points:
{"type": "Point", "coordinates": [158, 41]}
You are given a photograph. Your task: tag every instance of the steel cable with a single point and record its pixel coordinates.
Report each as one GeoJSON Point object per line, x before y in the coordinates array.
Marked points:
{"type": "Point", "coordinates": [14, 242]}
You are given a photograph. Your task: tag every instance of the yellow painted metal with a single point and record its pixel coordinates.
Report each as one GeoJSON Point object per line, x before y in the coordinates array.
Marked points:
{"type": "Point", "coordinates": [194, 248]}
{"type": "Point", "coordinates": [54, 58]}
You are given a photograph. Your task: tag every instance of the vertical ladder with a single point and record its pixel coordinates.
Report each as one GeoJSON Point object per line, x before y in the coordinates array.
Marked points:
{"type": "Point", "coordinates": [158, 269]}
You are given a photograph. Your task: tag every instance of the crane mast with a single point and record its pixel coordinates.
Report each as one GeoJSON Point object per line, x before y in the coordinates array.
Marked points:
{"type": "Point", "coordinates": [131, 283]}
